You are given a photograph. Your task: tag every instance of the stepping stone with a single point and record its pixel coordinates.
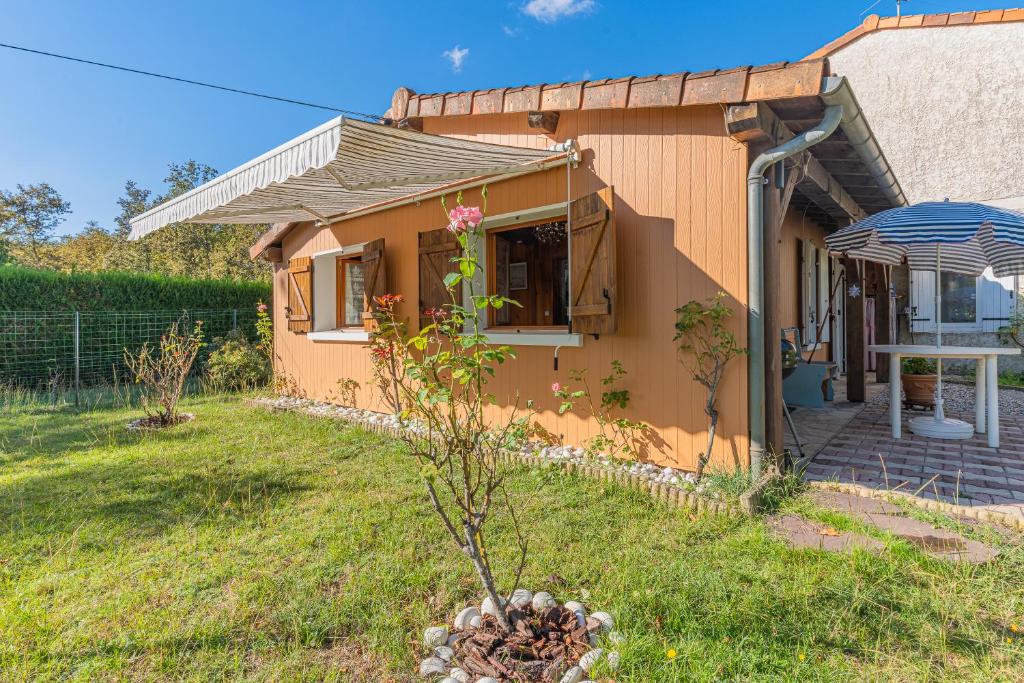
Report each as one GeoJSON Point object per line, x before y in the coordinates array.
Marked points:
{"type": "Point", "coordinates": [940, 543]}
{"type": "Point", "coordinates": [850, 504]}
{"type": "Point", "coordinates": [801, 533]}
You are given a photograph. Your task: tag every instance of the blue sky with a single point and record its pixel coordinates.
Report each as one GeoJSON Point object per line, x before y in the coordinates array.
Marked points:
{"type": "Point", "coordinates": [86, 130]}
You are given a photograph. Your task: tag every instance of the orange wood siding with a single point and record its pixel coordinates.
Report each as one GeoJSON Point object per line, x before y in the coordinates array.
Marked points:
{"type": "Point", "coordinates": [680, 214]}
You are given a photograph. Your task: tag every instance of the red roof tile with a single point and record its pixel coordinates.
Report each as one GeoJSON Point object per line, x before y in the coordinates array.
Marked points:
{"type": "Point", "coordinates": [876, 23]}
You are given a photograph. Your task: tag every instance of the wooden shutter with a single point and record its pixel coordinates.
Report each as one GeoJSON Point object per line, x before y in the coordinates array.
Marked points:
{"type": "Point", "coordinates": [375, 280]}
{"type": "Point", "coordinates": [593, 305]}
{"type": "Point", "coordinates": [922, 301]}
{"type": "Point", "coordinates": [996, 300]}
{"type": "Point", "coordinates": [437, 249]}
{"type": "Point", "coordinates": [300, 294]}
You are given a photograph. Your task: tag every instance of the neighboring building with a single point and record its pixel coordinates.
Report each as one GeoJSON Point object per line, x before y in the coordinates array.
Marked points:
{"type": "Point", "coordinates": [655, 166]}
{"type": "Point", "coordinates": [945, 96]}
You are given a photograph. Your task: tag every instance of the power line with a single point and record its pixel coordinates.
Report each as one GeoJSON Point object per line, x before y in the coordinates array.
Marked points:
{"type": "Point", "coordinates": [190, 82]}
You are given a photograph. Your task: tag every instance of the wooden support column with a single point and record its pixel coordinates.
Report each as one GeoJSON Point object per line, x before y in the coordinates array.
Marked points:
{"type": "Point", "coordinates": [883, 322]}
{"type": "Point", "coordinates": [776, 202]}
{"type": "Point", "coordinates": [855, 372]}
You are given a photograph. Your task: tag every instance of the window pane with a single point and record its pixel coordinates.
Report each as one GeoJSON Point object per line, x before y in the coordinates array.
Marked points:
{"type": "Point", "coordinates": [354, 271]}
{"type": "Point", "coordinates": [959, 298]}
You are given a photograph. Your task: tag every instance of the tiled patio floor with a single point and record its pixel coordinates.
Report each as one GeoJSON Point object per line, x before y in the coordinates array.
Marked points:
{"type": "Point", "coordinates": [858, 448]}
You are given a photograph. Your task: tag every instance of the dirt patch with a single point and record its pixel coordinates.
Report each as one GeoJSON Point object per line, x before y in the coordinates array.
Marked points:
{"type": "Point", "coordinates": [153, 422]}
{"type": "Point", "coordinates": [802, 533]}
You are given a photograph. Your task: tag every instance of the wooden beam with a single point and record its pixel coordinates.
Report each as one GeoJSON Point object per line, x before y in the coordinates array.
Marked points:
{"type": "Point", "coordinates": [272, 254]}
{"type": "Point", "coordinates": [547, 121]}
{"type": "Point", "coordinates": [855, 372]}
{"type": "Point", "coordinates": [757, 123]}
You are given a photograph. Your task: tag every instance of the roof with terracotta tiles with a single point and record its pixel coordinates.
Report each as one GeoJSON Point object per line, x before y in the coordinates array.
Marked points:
{"type": "Point", "coordinates": [876, 23]}
{"type": "Point", "coordinates": [721, 86]}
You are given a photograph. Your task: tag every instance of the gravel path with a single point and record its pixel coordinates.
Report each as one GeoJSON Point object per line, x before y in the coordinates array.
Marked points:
{"type": "Point", "coordinates": [960, 399]}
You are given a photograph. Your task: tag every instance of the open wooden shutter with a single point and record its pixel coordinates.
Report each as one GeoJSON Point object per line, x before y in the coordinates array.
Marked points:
{"type": "Point", "coordinates": [592, 307]}
{"type": "Point", "coordinates": [996, 300]}
{"type": "Point", "coordinates": [375, 280]}
{"type": "Point", "coordinates": [437, 249]}
{"type": "Point", "coordinates": [300, 294]}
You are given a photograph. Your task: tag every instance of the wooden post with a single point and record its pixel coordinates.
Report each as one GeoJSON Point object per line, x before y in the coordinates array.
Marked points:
{"type": "Point", "coordinates": [883, 321]}
{"type": "Point", "coordinates": [776, 201]}
{"type": "Point", "coordinates": [855, 373]}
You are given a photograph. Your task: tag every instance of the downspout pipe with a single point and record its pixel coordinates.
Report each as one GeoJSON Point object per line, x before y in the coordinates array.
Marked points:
{"type": "Point", "coordinates": [755, 272]}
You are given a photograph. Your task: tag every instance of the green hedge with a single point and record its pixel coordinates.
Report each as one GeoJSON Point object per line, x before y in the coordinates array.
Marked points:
{"type": "Point", "coordinates": [28, 289]}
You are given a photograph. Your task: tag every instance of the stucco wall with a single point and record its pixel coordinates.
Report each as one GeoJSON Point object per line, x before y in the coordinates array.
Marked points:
{"type": "Point", "coordinates": [946, 106]}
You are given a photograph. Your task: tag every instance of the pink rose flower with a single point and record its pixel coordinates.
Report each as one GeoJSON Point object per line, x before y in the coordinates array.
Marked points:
{"type": "Point", "coordinates": [462, 218]}
{"type": "Point", "coordinates": [262, 308]}
{"type": "Point", "coordinates": [556, 387]}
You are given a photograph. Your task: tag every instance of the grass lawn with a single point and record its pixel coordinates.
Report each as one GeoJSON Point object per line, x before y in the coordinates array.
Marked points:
{"type": "Point", "coordinates": [254, 546]}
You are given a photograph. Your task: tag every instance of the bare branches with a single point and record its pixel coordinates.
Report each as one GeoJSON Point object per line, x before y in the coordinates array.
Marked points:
{"type": "Point", "coordinates": [163, 372]}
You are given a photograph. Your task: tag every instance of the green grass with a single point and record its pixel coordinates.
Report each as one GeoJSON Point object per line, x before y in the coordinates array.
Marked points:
{"type": "Point", "coordinates": [253, 546]}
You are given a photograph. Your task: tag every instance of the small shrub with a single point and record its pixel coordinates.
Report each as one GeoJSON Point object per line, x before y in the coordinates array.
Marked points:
{"type": "Point", "coordinates": [162, 372]}
{"type": "Point", "coordinates": [236, 364]}
{"type": "Point", "coordinates": [918, 366]}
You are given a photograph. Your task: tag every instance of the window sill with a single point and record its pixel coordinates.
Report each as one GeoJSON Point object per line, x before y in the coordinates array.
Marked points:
{"type": "Point", "coordinates": [354, 335]}
{"type": "Point", "coordinates": [534, 338]}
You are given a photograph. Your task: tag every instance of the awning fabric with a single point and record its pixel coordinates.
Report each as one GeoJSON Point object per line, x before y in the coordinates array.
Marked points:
{"type": "Point", "coordinates": [339, 167]}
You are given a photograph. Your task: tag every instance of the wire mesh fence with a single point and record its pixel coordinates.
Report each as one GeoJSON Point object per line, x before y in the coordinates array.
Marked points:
{"type": "Point", "coordinates": [43, 349]}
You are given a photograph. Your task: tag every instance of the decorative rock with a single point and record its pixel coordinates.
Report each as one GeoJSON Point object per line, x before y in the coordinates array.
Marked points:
{"type": "Point", "coordinates": [488, 607]}
{"type": "Point", "coordinates": [487, 679]}
{"type": "Point", "coordinates": [444, 652]}
{"type": "Point", "coordinates": [579, 609]}
{"type": "Point", "coordinates": [542, 600]}
{"type": "Point", "coordinates": [452, 639]}
{"type": "Point", "coordinates": [460, 675]}
{"type": "Point", "coordinates": [476, 622]}
{"type": "Point", "coordinates": [432, 666]}
{"type": "Point", "coordinates": [449, 679]}
{"type": "Point", "coordinates": [589, 659]}
{"type": "Point", "coordinates": [607, 622]}
{"type": "Point", "coordinates": [616, 638]}
{"type": "Point", "coordinates": [573, 675]}
{"type": "Point", "coordinates": [612, 660]}
{"type": "Point", "coordinates": [465, 616]}
{"type": "Point", "coordinates": [521, 598]}
{"type": "Point", "coordinates": [435, 636]}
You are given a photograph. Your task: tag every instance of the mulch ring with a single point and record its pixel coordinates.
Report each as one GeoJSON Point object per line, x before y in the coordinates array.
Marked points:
{"type": "Point", "coordinates": [540, 647]}
{"type": "Point", "coordinates": [152, 423]}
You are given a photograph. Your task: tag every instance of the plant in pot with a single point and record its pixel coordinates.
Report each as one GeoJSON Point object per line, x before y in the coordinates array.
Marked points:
{"type": "Point", "coordinates": [918, 379]}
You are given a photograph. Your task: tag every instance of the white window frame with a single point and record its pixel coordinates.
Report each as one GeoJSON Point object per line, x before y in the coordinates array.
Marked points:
{"type": "Point", "coordinates": [920, 309]}
{"type": "Point", "coordinates": [325, 308]}
{"type": "Point", "coordinates": [523, 336]}
{"type": "Point", "coordinates": [814, 291]}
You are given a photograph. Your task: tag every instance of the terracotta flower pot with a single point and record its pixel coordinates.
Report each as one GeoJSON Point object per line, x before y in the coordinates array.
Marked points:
{"type": "Point", "coordinates": [918, 390]}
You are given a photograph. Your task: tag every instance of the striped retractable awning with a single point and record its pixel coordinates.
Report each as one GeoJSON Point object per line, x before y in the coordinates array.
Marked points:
{"type": "Point", "coordinates": [339, 167]}
{"type": "Point", "coordinates": [972, 236]}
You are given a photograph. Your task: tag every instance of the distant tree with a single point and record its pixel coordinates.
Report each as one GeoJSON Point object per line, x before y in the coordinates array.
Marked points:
{"type": "Point", "coordinates": [28, 218]}
{"type": "Point", "coordinates": [88, 250]}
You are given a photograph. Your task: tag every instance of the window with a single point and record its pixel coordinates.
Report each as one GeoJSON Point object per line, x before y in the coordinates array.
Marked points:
{"type": "Point", "coordinates": [351, 274]}
{"type": "Point", "coordinates": [531, 266]}
{"type": "Point", "coordinates": [959, 298]}
{"type": "Point", "coordinates": [814, 293]}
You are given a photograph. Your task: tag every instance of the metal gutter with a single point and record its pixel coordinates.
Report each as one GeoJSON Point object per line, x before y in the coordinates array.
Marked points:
{"type": "Point", "coordinates": [836, 90]}
{"type": "Point", "coordinates": [755, 272]}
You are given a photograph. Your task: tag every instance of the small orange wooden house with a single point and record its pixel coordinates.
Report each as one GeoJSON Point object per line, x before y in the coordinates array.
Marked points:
{"type": "Point", "coordinates": [677, 186]}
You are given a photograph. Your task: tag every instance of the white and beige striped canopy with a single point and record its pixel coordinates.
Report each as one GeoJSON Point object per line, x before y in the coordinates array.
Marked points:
{"type": "Point", "coordinates": [339, 167]}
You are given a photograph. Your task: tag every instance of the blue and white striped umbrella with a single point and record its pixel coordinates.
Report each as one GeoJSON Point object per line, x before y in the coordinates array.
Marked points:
{"type": "Point", "coordinates": [972, 236]}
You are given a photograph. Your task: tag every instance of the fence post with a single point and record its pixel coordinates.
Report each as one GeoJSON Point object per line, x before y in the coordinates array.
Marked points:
{"type": "Point", "coordinates": [78, 337]}
{"type": "Point", "coordinates": [234, 320]}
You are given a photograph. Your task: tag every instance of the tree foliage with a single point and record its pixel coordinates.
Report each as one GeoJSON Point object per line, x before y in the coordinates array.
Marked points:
{"type": "Point", "coordinates": [29, 217]}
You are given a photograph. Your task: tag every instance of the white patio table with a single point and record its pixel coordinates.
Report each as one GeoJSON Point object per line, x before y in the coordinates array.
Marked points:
{"type": "Point", "coordinates": [986, 381]}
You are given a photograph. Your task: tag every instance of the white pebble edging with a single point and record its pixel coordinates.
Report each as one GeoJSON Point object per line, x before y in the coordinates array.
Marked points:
{"type": "Point", "coordinates": [675, 487]}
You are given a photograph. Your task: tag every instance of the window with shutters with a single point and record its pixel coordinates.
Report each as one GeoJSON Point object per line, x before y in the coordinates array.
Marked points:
{"type": "Point", "coordinates": [530, 264]}
{"type": "Point", "coordinates": [969, 304]}
{"type": "Point", "coordinates": [346, 282]}
{"type": "Point", "coordinates": [814, 293]}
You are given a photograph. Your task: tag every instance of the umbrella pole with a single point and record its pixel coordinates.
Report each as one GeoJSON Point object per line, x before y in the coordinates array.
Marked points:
{"type": "Point", "coordinates": [940, 414]}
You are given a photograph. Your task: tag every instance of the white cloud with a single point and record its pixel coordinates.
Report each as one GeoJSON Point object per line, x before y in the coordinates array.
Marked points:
{"type": "Point", "coordinates": [553, 10]}
{"type": "Point", "coordinates": [456, 56]}
{"type": "Point", "coordinates": [509, 31]}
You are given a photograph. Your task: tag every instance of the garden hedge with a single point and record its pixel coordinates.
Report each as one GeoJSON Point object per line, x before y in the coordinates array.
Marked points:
{"type": "Point", "coordinates": [28, 289]}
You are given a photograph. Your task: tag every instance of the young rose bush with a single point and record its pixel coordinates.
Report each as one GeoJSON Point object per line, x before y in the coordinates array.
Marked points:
{"type": "Point", "coordinates": [163, 371]}
{"type": "Point", "coordinates": [438, 378]}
